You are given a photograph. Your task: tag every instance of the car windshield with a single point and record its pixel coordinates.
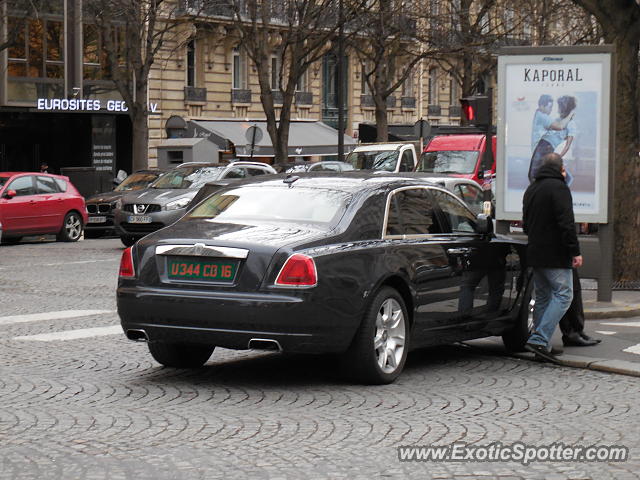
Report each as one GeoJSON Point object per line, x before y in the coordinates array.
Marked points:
{"type": "Point", "coordinates": [280, 204]}
{"type": "Point", "coordinates": [382, 160]}
{"type": "Point", "coordinates": [3, 180]}
{"type": "Point", "coordinates": [136, 181]}
{"type": "Point", "coordinates": [448, 161]}
{"type": "Point", "coordinates": [188, 177]}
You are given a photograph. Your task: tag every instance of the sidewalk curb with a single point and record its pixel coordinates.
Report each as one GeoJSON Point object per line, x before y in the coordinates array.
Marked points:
{"type": "Point", "coordinates": [604, 313]}
{"type": "Point", "coordinates": [620, 367]}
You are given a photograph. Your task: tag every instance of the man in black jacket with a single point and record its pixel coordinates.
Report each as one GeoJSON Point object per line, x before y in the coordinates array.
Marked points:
{"type": "Point", "coordinates": [552, 251]}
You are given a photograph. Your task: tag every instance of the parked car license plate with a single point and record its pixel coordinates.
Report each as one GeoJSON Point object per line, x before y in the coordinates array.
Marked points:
{"type": "Point", "coordinates": [191, 268]}
{"type": "Point", "coordinates": [97, 220]}
{"type": "Point", "coordinates": [139, 219]}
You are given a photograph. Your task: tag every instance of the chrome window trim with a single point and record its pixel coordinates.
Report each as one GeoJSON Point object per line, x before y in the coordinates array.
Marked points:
{"type": "Point", "coordinates": [202, 250]}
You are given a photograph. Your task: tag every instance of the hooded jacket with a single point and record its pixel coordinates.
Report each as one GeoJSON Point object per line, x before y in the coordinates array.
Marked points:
{"type": "Point", "coordinates": [547, 214]}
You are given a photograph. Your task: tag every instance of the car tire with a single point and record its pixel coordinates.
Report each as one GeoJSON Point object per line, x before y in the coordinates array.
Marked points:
{"type": "Point", "coordinates": [379, 349]}
{"type": "Point", "coordinates": [128, 240]}
{"type": "Point", "coordinates": [515, 338]}
{"type": "Point", "coordinates": [93, 233]}
{"type": "Point", "coordinates": [72, 227]}
{"type": "Point", "coordinates": [180, 355]}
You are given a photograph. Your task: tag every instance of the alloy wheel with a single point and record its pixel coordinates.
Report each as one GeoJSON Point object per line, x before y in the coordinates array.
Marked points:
{"type": "Point", "coordinates": [389, 340]}
{"type": "Point", "coordinates": [73, 227]}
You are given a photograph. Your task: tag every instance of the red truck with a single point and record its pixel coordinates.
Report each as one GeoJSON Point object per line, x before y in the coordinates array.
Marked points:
{"type": "Point", "coordinates": [459, 155]}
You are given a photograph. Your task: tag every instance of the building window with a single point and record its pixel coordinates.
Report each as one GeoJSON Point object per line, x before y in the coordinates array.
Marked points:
{"type": "Point", "coordinates": [274, 70]}
{"type": "Point", "coordinates": [454, 90]}
{"type": "Point", "coordinates": [407, 86]}
{"type": "Point", "coordinates": [239, 70]}
{"type": "Point", "coordinates": [191, 63]}
{"type": "Point", "coordinates": [96, 50]}
{"type": "Point", "coordinates": [364, 86]}
{"type": "Point", "coordinates": [433, 86]}
{"type": "Point", "coordinates": [38, 51]}
{"type": "Point", "coordinates": [303, 82]}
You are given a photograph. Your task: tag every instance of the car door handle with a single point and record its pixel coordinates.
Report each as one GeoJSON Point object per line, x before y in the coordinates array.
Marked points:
{"type": "Point", "coordinates": [460, 251]}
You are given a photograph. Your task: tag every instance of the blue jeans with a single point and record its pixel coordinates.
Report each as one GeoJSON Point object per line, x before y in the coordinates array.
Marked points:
{"type": "Point", "coordinates": [553, 292]}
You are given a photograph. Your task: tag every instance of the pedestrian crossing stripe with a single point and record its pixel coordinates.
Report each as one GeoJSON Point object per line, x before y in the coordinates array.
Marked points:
{"type": "Point", "coordinates": [73, 334]}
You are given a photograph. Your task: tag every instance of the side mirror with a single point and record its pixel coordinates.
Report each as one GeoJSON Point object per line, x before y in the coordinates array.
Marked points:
{"type": "Point", "coordinates": [485, 224]}
{"type": "Point", "coordinates": [9, 194]}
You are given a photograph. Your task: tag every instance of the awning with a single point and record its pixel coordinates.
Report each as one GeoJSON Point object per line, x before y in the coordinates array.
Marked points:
{"type": "Point", "coordinates": [306, 138]}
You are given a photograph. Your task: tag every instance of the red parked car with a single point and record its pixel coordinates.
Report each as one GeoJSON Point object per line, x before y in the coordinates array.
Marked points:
{"type": "Point", "coordinates": [40, 203]}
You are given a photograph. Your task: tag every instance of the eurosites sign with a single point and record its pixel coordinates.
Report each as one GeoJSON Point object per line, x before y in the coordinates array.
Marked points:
{"type": "Point", "coordinates": [86, 105]}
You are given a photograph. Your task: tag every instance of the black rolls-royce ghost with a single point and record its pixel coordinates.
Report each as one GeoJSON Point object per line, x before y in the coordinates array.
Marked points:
{"type": "Point", "coordinates": [359, 264]}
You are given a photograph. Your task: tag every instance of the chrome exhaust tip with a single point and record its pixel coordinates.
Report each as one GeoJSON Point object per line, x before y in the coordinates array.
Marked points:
{"type": "Point", "coordinates": [137, 335]}
{"type": "Point", "coordinates": [264, 344]}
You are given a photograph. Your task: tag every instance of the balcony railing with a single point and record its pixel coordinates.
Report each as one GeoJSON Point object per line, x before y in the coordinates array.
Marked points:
{"type": "Point", "coordinates": [455, 111]}
{"type": "Point", "coordinates": [304, 98]}
{"type": "Point", "coordinates": [277, 97]}
{"type": "Point", "coordinates": [434, 110]}
{"type": "Point", "coordinates": [367, 101]}
{"type": "Point", "coordinates": [408, 102]}
{"type": "Point", "coordinates": [391, 101]}
{"type": "Point", "coordinates": [240, 96]}
{"type": "Point", "coordinates": [194, 94]}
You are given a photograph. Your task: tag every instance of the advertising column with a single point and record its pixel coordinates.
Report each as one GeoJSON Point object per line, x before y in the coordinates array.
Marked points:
{"type": "Point", "coordinates": [554, 102]}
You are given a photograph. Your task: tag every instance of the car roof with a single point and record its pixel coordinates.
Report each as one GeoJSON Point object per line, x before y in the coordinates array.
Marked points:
{"type": "Point", "coordinates": [11, 174]}
{"type": "Point", "coordinates": [379, 146]}
{"type": "Point", "coordinates": [351, 181]}
{"type": "Point", "coordinates": [456, 142]}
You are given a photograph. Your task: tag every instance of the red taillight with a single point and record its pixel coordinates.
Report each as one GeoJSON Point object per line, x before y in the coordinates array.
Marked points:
{"type": "Point", "coordinates": [126, 264]}
{"type": "Point", "coordinates": [298, 271]}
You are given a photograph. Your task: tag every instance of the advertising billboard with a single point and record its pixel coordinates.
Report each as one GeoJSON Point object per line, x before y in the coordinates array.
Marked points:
{"type": "Point", "coordinates": [554, 100]}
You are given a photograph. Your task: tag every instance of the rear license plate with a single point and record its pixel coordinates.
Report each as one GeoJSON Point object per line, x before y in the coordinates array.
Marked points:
{"type": "Point", "coordinates": [139, 219]}
{"type": "Point", "coordinates": [209, 270]}
{"type": "Point", "coordinates": [97, 220]}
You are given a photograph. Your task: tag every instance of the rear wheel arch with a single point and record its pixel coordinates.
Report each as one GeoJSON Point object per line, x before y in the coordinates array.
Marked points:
{"type": "Point", "coordinates": [401, 286]}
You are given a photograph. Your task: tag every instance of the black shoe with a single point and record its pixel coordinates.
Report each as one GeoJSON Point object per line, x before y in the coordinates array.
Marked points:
{"type": "Point", "coordinates": [589, 339]}
{"type": "Point", "coordinates": [541, 352]}
{"type": "Point", "coordinates": [577, 340]}
{"type": "Point", "coordinates": [556, 350]}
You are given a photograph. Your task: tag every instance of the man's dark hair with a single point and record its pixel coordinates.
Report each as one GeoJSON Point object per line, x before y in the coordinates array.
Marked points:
{"type": "Point", "coordinates": [552, 159]}
{"type": "Point", "coordinates": [544, 100]}
{"type": "Point", "coordinates": [566, 103]}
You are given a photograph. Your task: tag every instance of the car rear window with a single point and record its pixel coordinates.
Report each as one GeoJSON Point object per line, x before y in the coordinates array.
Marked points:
{"type": "Point", "coordinates": [264, 204]}
{"type": "Point", "coordinates": [62, 185]}
{"type": "Point", "coordinates": [448, 161]}
{"type": "Point", "coordinates": [188, 177]}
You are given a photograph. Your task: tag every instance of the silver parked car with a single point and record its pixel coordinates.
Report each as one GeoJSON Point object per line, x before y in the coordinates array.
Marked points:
{"type": "Point", "coordinates": [165, 201]}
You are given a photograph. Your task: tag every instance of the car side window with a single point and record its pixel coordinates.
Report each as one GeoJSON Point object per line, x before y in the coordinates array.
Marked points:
{"type": "Point", "coordinates": [472, 196]}
{"type": "Point", "coordinates": [255, 171]}
{"type": "Point", "coordinates": [460, 218]}
{"type": "Point", "coordinates": [46, 185]}
{"type": "Point", "coordinates": [23, 186]}
{"type": "Point", "coordinates": [329, 168]}
{"type": "Point", "coordinates": [406, 163]}
{"type": "Point", "coordinates": [236, 173]}
{"type": "Point", "coordinates": [411, 212]}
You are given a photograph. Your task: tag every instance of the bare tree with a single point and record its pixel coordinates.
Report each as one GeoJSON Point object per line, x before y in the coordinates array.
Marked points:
{"type": "Point", "coordinates": [388, 46]}
{"type": "Point", "coordinates": [283, 39]}
{"type": "Point", "coordinates": [620, 22]}
{"type": "Point", "coordinates": [132, 34]}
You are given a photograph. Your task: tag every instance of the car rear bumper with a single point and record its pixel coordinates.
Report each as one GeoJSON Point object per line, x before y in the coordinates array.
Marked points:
{"type": "Point", "coordinates": [232, 320]}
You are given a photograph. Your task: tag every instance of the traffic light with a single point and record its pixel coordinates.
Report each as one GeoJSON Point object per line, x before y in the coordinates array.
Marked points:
{"type": "Point", "coordinates": [476, 110]}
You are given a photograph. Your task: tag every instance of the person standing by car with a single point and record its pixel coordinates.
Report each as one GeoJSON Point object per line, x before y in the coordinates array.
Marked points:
{"type": "Point", "coordinates": [552, 251]}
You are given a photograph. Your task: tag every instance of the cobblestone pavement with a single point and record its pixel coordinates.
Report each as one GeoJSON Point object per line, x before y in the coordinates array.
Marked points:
{"type": "Point", "coordinates": [98, 407]}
